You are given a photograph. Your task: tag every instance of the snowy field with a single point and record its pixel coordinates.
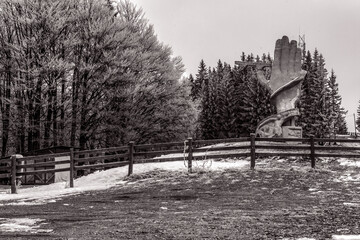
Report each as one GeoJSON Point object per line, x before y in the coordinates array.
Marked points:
{"type": "Point", "coordinates": [103, 180]}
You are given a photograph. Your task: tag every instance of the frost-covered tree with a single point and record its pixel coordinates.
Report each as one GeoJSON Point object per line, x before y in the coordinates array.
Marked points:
{"type": "Point", "coordinates": [86, 73]}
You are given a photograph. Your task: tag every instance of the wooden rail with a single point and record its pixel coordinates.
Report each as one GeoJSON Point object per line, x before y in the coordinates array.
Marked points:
{"type": "Point", "coordinates": [188, 151]}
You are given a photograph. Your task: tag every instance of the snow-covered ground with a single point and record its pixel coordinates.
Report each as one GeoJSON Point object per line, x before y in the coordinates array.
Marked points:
{"type": "Point", "coordinates": [113, 177]}
{"type": "Point", "coordinates": [104, 180]}
{"type": "Point", "coordinates": [29, 225]}
{"type": "Point", "coordinates": [349, 162]}
{"type": "Point", "coordinates": [97, 181]}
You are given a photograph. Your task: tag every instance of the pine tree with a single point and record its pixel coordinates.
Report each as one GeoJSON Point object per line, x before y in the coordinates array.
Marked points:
{"type": "Point", "coordinates": [252, 101]}
{"type": "Point", "coordinates": [228, 111]}
{"type": "Point", "coordinates": [337, 114]}
{"type": "Point", "coordinates": [307, 100]}
{"type": "Point", "coordinates": [205, 123]}
{"type": "Point", "coordinates": [323, 104]}
{"type": "Point", "coordinates": [341, 126]}
{"type": "Point", "coordinates": [198, 83]}
{"type": "Point", "coordinates": [243, 57]}
{"type": "Point", "coordinates": [321, 113]}
{"type": "Point", "coordinates": [191, 81]}
{"type": "Point", "coordinates": [263, 58]}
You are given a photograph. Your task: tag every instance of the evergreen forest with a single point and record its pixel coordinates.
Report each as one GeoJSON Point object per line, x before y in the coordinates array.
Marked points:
{"type": "Point", "coordinates": [232, 101]}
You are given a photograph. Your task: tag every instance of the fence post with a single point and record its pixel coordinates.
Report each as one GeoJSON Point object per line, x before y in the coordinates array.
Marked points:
{"type": "Point", "coordinates": [131, 158]}
{"type": "Point", "coordinates": [13, 174]}
{"type": "Point", "coordinates": [190, 154]}
{"type": "Point", "coordinates": [312, 151]}
{"type": "Point", "coordinates": [252, 151]}
{"type": "Point", "coordinates": [72, 166]}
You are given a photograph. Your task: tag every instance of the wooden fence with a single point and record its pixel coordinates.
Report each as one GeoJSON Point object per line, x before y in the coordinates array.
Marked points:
{"type": "Point", "coordinates": [83, 162]}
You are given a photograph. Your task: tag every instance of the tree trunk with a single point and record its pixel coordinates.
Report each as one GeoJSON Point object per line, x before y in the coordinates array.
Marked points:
{"type": "Point", "coordinates": [83, 133]}
{"type": "Point", "coordinates": [49, 114]}
{"type": "Point", "coordinates": [62, 112]}
{"type": "Point", "coordinates": [6, 113]}
{"type": "Point", "coordinates": [37, 115]}
{"type": "Point", "coordinates": [74, 108]}
{"type": "Point", "coordinates": [55, 110]}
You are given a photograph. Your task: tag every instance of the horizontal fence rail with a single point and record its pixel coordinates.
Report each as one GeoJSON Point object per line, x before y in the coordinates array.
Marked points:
{"type": "Point", "coordinates": [83, 162]}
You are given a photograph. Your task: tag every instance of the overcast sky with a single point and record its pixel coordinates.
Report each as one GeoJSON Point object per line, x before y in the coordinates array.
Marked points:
{"type": "Point", "coordinates": [222, 29]}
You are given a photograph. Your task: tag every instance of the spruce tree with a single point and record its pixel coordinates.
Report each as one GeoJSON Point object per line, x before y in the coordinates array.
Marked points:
{"type": "Point", "coordinates": [228, 109]}
{"type": "Point", "coordinates": [337, 114]}
{"type": "Point", "coordinates": [198, 83]}
{"type": "Point", "coordinates": [205, 124]}
{"type": "Point", "coordinates": [320, 108]}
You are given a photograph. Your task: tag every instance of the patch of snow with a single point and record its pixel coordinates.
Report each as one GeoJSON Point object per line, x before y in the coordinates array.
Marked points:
{"type": "Point", "coordinates": [102, 180]}
{"type": "Point", "coordinates": [349, 178]}
{"type": "Point", "coordinates": [348, 162]}
{"type": "Point", "coordinates": [351, 204]}
{"type": "Point", "coordinates": [22, 225]}
{"type": "Point", "coordinates": [346, 237]}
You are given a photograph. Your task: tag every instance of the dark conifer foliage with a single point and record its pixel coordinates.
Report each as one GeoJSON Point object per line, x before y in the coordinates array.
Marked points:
{"type": "Point", "coordinates": [321, 113]}
{"type": "Point", "coordinates": [232, 100]}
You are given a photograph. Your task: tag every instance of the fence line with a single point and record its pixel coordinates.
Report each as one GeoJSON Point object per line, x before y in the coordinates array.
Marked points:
{"type": "Point", "coordinates": [188, 151]}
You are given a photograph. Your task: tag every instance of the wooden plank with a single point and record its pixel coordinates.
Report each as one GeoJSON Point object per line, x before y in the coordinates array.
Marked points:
{"type": "Point", "coordinates": [159, 145]}
{"type": "Point", "coordinates": [286, 147]}
{"type": "Point", "coordinates": [72, 168]}
{"type": "Point", "coordinates": [13, 175]}
{"type": "Point", "coordinates": [5, 175]}
{"type": "Point", "coordinates": [228, 140]}
{"type": "Point", "coordinates": [131, 158]}
{"type": "Point", "coordinates": [211, 149]}
{"type": "Point", "coordinates": [103, 165]}
{"type": "Point", "coordinates": [336, 140]}
{"type": "Point", "coordinates": [190, 154]}
{"type": "Point", "coordinates": [112, 149]}
{"type": "Point", "coordinates": [312, 151]}
{"type": "Point", "coordinates": [340, 155]}
{"type": "Point", "coordinates": [99, 158]}
{"type": "Point", "coordinates": [227, 155]}
{"type": "Point", "coordinates": [44, 164]}
{"type": "Point", "coordinates": [157, 153]}
{"type": "Point", "coordinates": [303, 140]}
{"type": "Point", "coordinates": [43, 156]}
{"type": "Point", "coordinates": [340, 148]}
{"type": "Point", "coordinates": [7, 160]}
{"type": "Point", "coordinates": [282, 154]}
{"type": "Point", "coordinates": [35, 172]}
{"type": "Point", "coordinates": [159, 159]}
{"type": "Point", "coordinates": [7, 168]}
{"type": "Point", "coordinates": [252, 151]}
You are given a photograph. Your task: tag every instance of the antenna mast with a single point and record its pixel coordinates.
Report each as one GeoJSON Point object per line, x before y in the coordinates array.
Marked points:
{"type": "Point", "coordinates": [302, 44]}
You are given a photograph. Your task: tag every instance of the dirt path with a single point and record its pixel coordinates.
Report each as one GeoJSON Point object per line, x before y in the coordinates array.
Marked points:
{"type": "Point", "coordinates": [276, 201]}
